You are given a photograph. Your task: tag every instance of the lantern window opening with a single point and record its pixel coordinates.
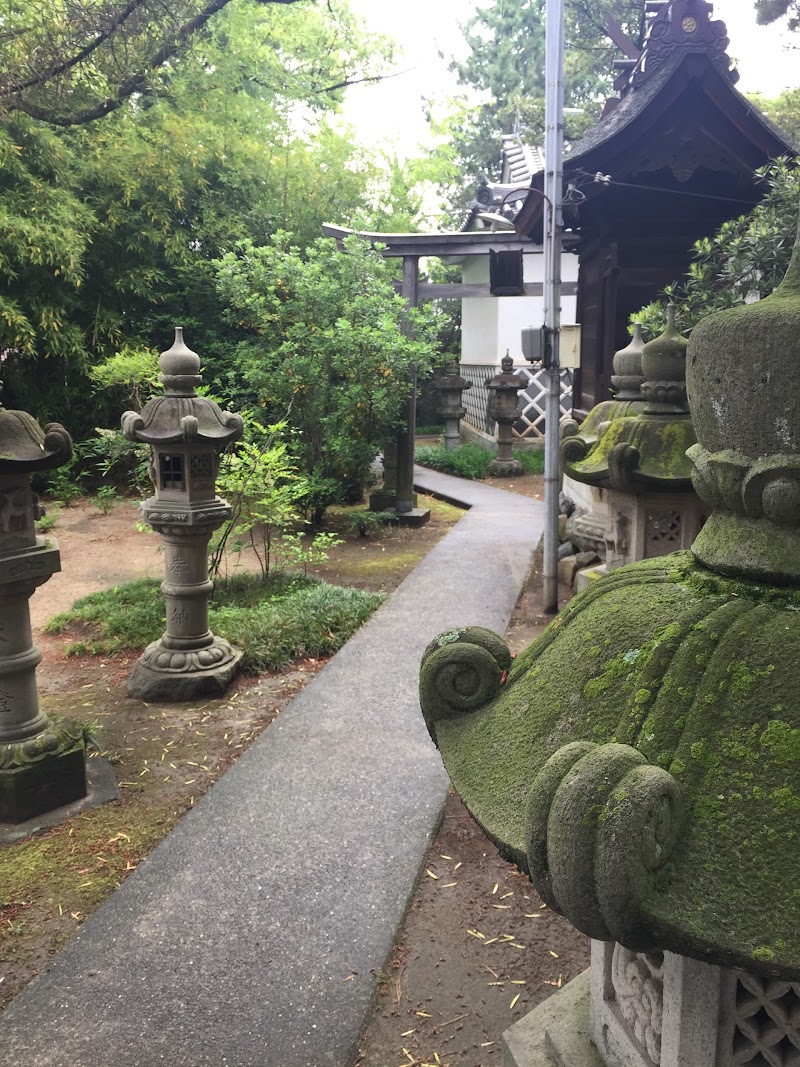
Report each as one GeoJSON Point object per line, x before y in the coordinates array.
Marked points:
{"type": "Point", "coordinates": [171, 471]}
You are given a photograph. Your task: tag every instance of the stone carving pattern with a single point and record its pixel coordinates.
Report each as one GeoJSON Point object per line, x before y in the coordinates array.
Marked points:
{"type": "Point", "coordinates": [638, 980]}
{"type": "Point", "coordinates": [202, 466]}
{"type": "Point", "coordinates": [663, 528]}
{"type": "Point", "coordinates": [767, 1014]}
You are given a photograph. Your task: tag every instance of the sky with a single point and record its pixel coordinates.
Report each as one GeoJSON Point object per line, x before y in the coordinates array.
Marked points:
{"type": "Point", "coordinates": [390, 113]}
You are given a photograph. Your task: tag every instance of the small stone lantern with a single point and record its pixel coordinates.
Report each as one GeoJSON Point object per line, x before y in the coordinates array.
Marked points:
{"type": "Point", "coordinates": [503, 409]}
{"type": "Point", "coordinates": [42, 760]}
{"type": "Point", "coordinates": [450, 387]}
{"type": "Point", "coordinates": [186, 433]}
{"type": "Point", "coordinates": [638, 458]}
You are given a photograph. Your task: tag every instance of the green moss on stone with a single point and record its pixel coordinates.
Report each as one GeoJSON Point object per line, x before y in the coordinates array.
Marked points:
{"type": "Point", "coordinates": [695, 667]}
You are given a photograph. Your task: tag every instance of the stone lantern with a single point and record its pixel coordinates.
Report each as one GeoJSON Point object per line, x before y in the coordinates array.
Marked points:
{"type": "Point", "coordinates": [42, 759]}
{"type": "Point", "coordinates": [588, 516]}
{"type": "Point", "coordinates": [638, 459]}
{"type": "Point", "coordinates": [641, 760]}
{"type": "Point", "coordinates": [186, 433]}
{"type": "Point", "coordinates": [450, 387]}
{"type": "Point", "coordinates": [504, 388]}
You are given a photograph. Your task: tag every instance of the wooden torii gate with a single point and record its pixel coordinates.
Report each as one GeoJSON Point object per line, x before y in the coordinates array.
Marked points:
{"type": "Point", "coordinates": [398, 487]}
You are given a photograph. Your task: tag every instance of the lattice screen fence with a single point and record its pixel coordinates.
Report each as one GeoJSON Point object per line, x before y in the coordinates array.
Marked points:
{"type": "Point", "coordinates": [531, 399]}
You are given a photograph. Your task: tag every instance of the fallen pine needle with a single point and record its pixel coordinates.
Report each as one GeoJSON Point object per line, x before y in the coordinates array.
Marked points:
{"type": "Point", "coordinates": [459, 864]}
{"type": "Point", "coordinates": [501, 984]}
{"type": "Point", "coordinates": [424, 1014]}
{"type": "Point", "coordinates": [553, 954]}
{"type": "Point", "coordinates": [518, 981]}
{"type": "Point", "coordinates": [514, 1001]}
{"type": "Point", "coordinates": [445, 857]}
{"type": "Point", "coordinates": [477, 933]}
{"type": "Point", "coordinates": [449, 885]}
{"type": "Point", "coordinates": [496, 887]}
{"type": "Point", "coordinates": [516, 944]}
{"type": "Point", "coordinates": [430, 874]}
{"type": "Point", "coordinates": [510, 893]}
{"type": "Point", "coordinates": [408, 1033]}
{"type": "Point", "coordinates": [503, 907]}
{"type": "Point", "coordinates": [491, 941]}
{"type": "Point", "coordinates": [533, 915]}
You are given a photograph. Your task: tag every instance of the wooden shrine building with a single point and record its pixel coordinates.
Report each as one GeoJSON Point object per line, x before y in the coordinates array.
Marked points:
{"type": "Point", "coordinates": [671, 158]}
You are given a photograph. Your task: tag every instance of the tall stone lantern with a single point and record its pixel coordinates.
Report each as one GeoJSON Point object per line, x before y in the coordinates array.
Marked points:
{"type": "Point", "coordinates": [42, 760]}
{"type": "Point", "coordinates": [186, 433]}
{"type": "Point", "coordinates": [504, 389]}
{"type": "Point", "coordinates": [450, 386]}
{"type": "Point", "coordinates": [640, 761]}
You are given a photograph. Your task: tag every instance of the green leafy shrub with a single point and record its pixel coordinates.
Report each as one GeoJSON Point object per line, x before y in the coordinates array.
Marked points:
{"type": "Point", "coordinates": [466, 461]}
{"type": "Point", "coordinates": [471, 461]}
{"type": "Point", "coordinates": [285, 618]}
{"type": "Point", "coordinates": [327, 351]}
{"type": "Point", "coordinates": [365, 522]}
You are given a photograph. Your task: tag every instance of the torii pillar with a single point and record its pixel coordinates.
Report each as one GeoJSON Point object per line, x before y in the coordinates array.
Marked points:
{"type": "Point", "coordinates": [405, 504]}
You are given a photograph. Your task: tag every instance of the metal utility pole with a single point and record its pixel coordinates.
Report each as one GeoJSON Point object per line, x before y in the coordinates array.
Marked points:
{"type": "Point", "coordinates": [553, 185]}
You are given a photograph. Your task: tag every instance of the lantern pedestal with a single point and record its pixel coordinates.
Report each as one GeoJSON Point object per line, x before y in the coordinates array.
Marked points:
{"type": "Point", "coordinates": [188, 661]}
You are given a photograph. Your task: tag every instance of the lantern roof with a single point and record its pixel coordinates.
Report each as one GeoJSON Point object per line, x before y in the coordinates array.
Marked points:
{"type": "Point", "coordinates": [639, 445]}
{"type": "Point", "coordinates": [180, 415]}
{"type": "Point", "coordinates": [26, 447]}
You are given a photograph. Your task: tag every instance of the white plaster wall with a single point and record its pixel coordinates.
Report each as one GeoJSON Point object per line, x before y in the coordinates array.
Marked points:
{"type": "Point", "coordinates": [492, 325]}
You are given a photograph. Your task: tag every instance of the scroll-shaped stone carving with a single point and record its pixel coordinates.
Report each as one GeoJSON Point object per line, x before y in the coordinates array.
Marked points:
{"type": "Point", "coordinates": [600, 821]}
{"type": "Point", "coordinates": [461, 671]}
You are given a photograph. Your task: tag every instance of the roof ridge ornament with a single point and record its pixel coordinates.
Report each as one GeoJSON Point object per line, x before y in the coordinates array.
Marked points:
{"type": "Point", "coordinates": [681, 26]}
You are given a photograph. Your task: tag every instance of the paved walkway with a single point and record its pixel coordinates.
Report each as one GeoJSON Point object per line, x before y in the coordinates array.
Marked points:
{"type": "Point", "coordinates": [253, 935]}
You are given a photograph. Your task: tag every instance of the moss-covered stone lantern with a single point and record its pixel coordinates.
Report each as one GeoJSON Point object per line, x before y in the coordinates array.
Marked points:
{"type": "Point", "coordinates": [450, 386]}
{"type": "Point", "coordinates": [503, 408]}
{"type": "Point", "coordinates": [588, 510]}
{"type": "Point", "coordinates": [186, 433]}
{"type": "Point", "coordinates": [638, 460]}
{"type": "Point", "coordinates": [42, 759]}
{"type": "Point", "coordinates": [641, 759]}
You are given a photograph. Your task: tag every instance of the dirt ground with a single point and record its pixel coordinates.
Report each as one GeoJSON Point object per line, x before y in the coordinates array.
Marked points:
{"type": "Point", "coordinates": [451, 988]}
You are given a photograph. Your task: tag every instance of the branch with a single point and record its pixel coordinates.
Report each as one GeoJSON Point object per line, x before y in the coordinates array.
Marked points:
{"type": "Point", "coordinates": [83, 53]}
{"type": "Point", "coordinates": [134, 83]}
{"type": "Point", "coordinates": [361, 81]}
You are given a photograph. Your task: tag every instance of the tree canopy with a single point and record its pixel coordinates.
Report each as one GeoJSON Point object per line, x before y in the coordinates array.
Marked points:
{"type": "Point", "coordinates": [109, 228]}
{"type": "Point", "coordinates": [69, 62]}
{"type": "Point", "coordinates": [503, 77]}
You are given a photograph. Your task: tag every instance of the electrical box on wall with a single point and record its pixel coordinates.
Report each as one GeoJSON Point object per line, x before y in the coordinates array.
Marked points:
{"type": "Point", "coordinates": [570, 348]}
{"type": "Point", "coordinates": [535, 348]}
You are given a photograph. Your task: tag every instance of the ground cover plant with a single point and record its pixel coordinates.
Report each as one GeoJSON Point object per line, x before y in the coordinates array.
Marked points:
{"type": "Point", "coordinates": [275, 621]}
{"type": "Point", "coordinates": [471, 461]}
